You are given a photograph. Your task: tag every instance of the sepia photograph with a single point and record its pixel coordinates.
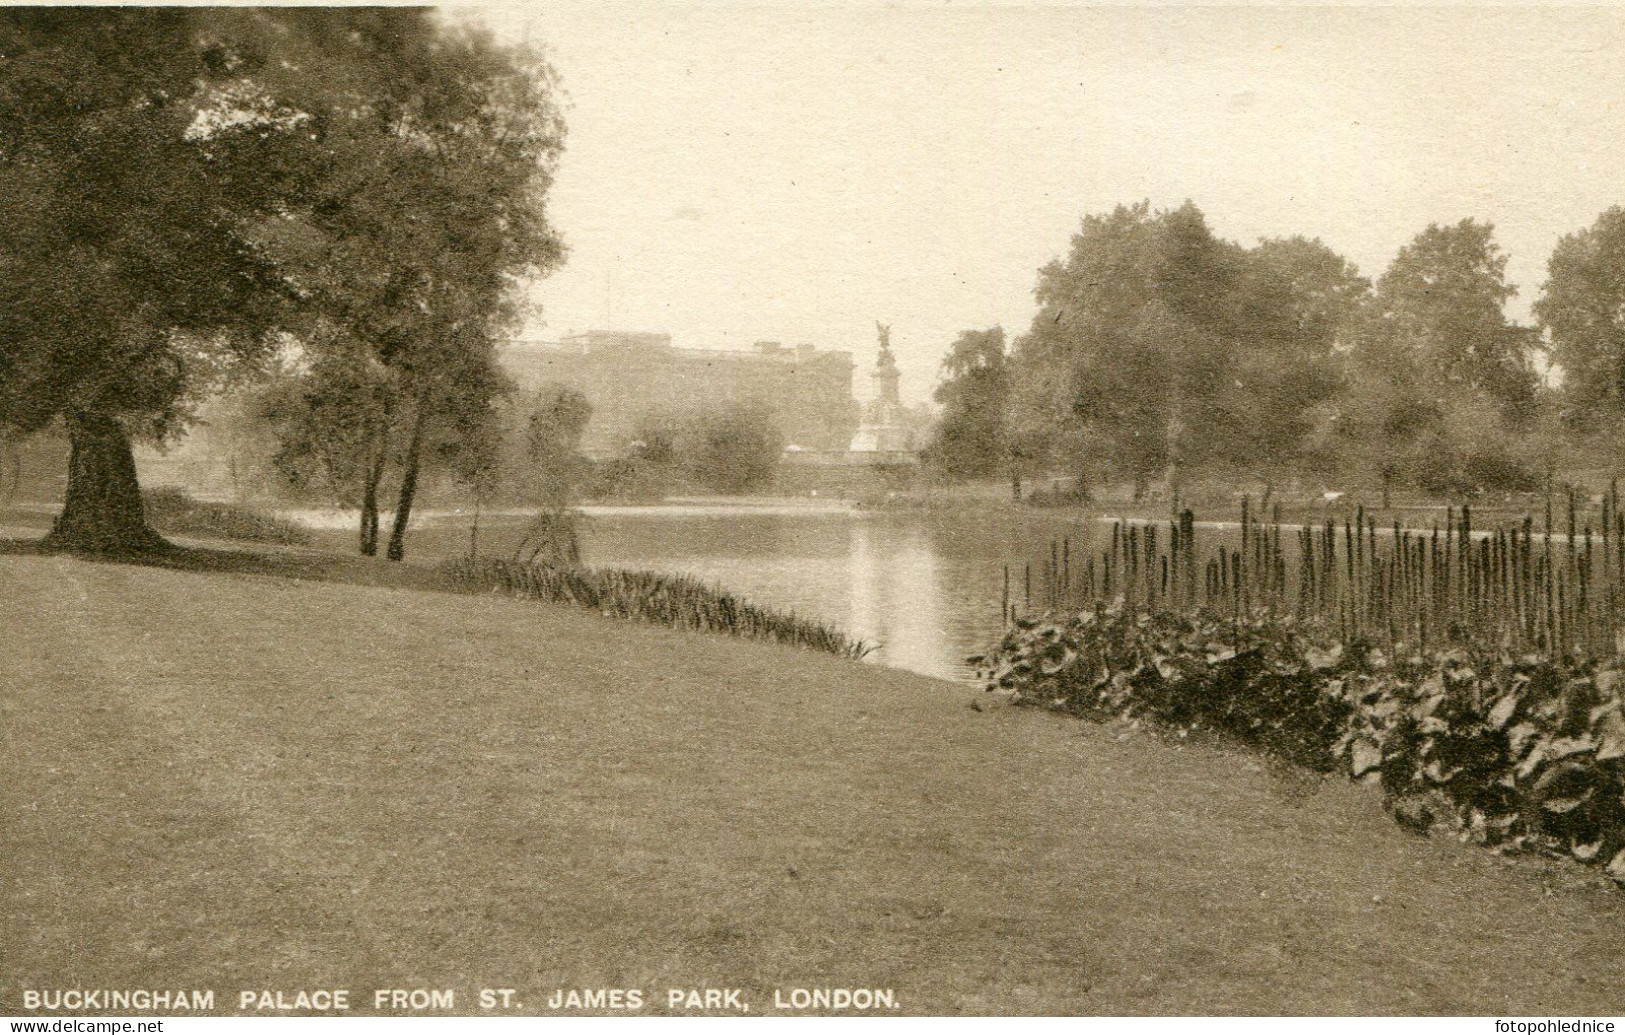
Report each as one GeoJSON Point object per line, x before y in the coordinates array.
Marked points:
{"type": "Point", "coordinates": [866, 508]}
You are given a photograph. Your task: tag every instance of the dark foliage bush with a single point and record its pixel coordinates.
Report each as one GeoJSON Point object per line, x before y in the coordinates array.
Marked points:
{"type": "Point", "coordinates": [1486, 470]}
{"type": "Point", "coordinates": [1511, 752]}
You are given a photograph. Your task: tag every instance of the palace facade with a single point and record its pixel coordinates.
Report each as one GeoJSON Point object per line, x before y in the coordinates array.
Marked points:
{"type": "Point", "coordinates": [629, 376]}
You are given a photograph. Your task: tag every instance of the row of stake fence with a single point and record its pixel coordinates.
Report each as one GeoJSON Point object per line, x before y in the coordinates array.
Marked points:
{"type": "Point", "coordinates": [1555, 591]}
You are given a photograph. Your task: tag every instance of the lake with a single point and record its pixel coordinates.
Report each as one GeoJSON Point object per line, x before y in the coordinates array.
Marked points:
{"type": "Point", "coordinates": [925, 587]}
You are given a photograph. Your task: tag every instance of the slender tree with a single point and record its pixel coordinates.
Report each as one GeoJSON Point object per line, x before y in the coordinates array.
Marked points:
{"type": "Point", "coordinates": [1582, 308]}
{"type": "Point", "coordinates": [557, 419]}
{"type": "Point", "coordinates": [730, 449]}
{"type": "Point", "coordinates": [330, 411]}
{"type": "Point", "coordinates": [972, 438]}
{"type": "Point", "coordinates": [432, 211]}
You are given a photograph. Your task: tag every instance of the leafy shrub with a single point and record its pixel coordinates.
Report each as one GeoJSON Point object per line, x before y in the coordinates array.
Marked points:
{"type": "Point", "coordinates": [172, 510]}
{"type": "Point", "coordinates": [1489, 470]}
{"type": "Point", "coordinates": [727, 448]}
{"type": "Point", "coordinates": [632, 479]}
{"type": "Point", "coordinates": [1191, 672]}
{"type": "Point", "coordinates": [733, 450]}
{"type": "Point", "coordinates": [1513, 752]}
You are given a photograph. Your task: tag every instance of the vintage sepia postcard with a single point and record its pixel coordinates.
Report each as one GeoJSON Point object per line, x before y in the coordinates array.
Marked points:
{"type": "Point", "coordinates": [883, 509]}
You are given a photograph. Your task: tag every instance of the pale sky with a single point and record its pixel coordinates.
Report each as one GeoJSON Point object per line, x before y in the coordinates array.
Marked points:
{"type": "Point", "coordinates": [796, 173]}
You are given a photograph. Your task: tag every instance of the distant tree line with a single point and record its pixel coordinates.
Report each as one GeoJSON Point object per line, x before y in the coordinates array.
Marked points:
{"type": "Point", "coordinates": [527, 451]}
{"type": "Point", "coordinates": [1159, 350]}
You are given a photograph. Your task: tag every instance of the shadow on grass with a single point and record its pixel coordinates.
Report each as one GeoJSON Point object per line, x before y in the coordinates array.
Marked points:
{"type": "Point", "coordinates": [312, 565]}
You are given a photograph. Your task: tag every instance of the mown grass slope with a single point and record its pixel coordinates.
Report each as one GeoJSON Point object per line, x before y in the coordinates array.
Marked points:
{"type": "Point", "coordinates": [231, 781]}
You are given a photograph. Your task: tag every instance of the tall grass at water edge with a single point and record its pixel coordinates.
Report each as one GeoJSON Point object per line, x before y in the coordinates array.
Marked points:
{"type": "Point", "coordinates": [678, 601]}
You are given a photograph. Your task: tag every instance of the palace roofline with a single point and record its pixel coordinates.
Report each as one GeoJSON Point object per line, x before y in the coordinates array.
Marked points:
{"type": "Point", "coordinates": [763, 350]}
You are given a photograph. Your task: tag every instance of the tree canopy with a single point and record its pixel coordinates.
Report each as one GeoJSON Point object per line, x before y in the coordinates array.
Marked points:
{"type": "Point", "coordinates": [973, 435]}
{"type": "Point", "coordinates": [1157, 345]}
{"type": "Point", "coordinates": [191, 189]}
{"type": "Point", "coordinates": [405, 254]}
{"type": "Point", "coordinates": [1582, 307]}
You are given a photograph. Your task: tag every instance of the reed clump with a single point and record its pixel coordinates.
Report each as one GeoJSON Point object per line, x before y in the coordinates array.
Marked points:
{"type": "Point", "coordinates": [678, 601]}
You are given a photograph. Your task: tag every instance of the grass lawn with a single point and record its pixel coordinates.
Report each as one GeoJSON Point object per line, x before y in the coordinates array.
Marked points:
{"type": "Point", "coordinates": [222, 780]}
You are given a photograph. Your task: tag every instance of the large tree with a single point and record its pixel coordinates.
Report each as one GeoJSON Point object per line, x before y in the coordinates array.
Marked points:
{"type": "Point", "coordinates": [1128, 343]}
{"type": "Point", "coordinates": [972, 438]}
{"type": "Point", "coordinates": [1444, 299]}
{"type": "Point", "coordinates": [432, 210]}
{"type": "Point", "coordinates": [1582, 307]}
{"type": "Point", "coordinates": [146, 154]}
{"type": "Point", "coordinates": [1440, 381]}
{"type": "Point", "coordinates": [1295, 311]}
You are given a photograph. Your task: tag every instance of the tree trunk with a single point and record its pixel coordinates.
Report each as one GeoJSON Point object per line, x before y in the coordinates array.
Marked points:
{"type": "Point", "coordinates": [1175, 439]}
{"type": "Point", "coordinates": [14, 457]}
{"type": "Point", "coordinates": [409, 485]}
{"type": "Point", "coordinates": [369, 517]}
{"type": "Point", "coordinates": [369, 497]}
{"type": "Point", "coordinates": [102, 511]}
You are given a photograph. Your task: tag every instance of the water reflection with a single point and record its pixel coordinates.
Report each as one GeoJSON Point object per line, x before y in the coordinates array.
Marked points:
{"type": "Point", "coordinates": [896, 599]}
{"type": "Point", "coordinates": [925, 589]}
